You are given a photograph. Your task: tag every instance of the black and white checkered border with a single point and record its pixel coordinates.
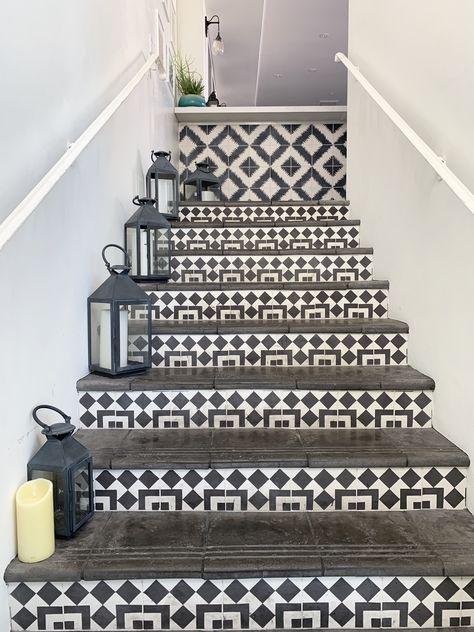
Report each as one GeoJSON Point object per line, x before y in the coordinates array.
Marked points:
{"type": "Point", "coordinates": [263, 304]}
{"type": "Point", "coordinates": [255, 409]}
{"type": "Point", "coordinates": [238, 604]}
{"type": "Point", "coordinates": [273, 349]}
{"type": "Point", "coordinates": [263, 162]}
{"type": "Point", "coordinates": [265, 238]}
{"type": "Point", "coordinates": [272, 268]}
{"type": "Point", "coordinates": [281, 489]}
{"type": "Point", "coordinates": [237, 214]}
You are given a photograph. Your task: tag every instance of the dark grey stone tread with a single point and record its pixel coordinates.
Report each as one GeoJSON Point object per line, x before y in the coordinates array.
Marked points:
{"type": "Point", "coordinates": [277, 251]}
{"type": "Point", "coordinates": [356, 378]}
{"type": "Point", "coordinates": [290, 285]}
{"type": "Point", "coordinates": [230, 203]}
{"type": "Point", "coordinates": [134, 545]}
{"type": "Point", "coordinates": [267, 447]}
{"type": "Point", "coordinates": [277, 223]}
{"type": "Point", "coordinates": [315, 325]}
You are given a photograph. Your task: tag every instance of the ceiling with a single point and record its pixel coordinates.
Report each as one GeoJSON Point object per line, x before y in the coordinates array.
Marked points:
{"type": "Point", "coordinates": [280, 52]}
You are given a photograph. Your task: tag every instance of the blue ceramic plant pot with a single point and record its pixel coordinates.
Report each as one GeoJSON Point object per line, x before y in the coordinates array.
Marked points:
{"type": "Point", "coordinates": [192, 100]}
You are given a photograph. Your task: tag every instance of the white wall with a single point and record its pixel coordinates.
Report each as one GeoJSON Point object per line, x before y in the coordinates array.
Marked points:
{"type": "Point", "coordinates": [60, 63]}
{"type": "Point", "coordinates": [191, 38]}
{"type": "Point", "coordinates": [419, 55]}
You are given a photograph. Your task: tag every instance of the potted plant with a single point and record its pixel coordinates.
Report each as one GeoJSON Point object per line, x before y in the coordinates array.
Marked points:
{"type": "Point", "coordinates": [189, 83]}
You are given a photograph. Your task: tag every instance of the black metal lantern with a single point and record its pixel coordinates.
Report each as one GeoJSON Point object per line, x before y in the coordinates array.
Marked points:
{"type": "Point", "coordinates": [119, 323]}
{"type": "Point", "coordinates": [165, 190]}
{"type": "Point", "coordinates": [202, 185]}
{"type": "Point", "coordinates": [68, 465]}
{"type": "Point", "coordinates": [148, 242]}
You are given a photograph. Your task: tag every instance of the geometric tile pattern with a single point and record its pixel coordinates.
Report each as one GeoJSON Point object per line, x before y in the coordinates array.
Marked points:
{"type": "Point", "coordinates": [273, 349]}
{"type": "Point", "coordinates": [266, 162]}
{"type": "Point", "coordinates": [267, 304]}
{"type": "Point", "coordinates": [339, 265]}
{"type": "Point", "coordinates": [265, 489]}
{"type": "Point", "coordinates": [291, 603]}
{"type": "Point", "coordinates": [265, 237]}
{"type": "Point", "coordinates": [262, 214]}
{"type": "Point", "coordinates": [262, 408]}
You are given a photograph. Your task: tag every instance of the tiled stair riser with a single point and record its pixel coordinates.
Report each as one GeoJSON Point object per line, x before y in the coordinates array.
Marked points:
{"type": "Point", "coordinates": [271, 267]}
{"type": "Point", "coordinates": [227, 350]}
{"type": "Point", "coordinates": [260, 489]}
{"type": "Point", "coordinates": [268, 304]}
{"type": "Point", "coordinates": [255, 409]}
{"type": "Point", "coordinates": [265, 238]}
{"type": "Point", "coordinates": [270, 603]}
{"type": "Point", "coordinates": [294, 213]}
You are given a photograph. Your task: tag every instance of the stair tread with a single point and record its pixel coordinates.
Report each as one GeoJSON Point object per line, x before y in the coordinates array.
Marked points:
{"type": "Point", "coordinates": [264, 326]}
{"type": "Point", "coordinates": [134, 545]}
{"type": "Point", "coordinates": [277, 223]}
{"type": "Point", "coordinates": [179, 286]}
{"type": "Point", "coordinates": [274, 251]}
{"type": "Point", "coordinates": [266, 447]}
{"type": "Point", "coordinates": [391, 377]}
{"type": "Point", "coordinates": [231, 204]}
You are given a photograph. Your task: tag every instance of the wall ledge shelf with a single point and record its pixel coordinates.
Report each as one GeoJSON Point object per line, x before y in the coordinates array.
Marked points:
{"type": "Point", "coordinates": [259, 114]}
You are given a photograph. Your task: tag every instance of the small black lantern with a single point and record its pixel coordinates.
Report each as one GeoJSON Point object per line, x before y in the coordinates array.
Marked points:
{"type": "Point", "coordinates": [202, 185]}
{"type": "Point", "coordinates": [118, 346]}
{"type": "Point", "coordinates": [148, 242]}
{"type": "Point", "coordinates": [68, 465]}
{"type": "Point", "coordinates": [165, 190]}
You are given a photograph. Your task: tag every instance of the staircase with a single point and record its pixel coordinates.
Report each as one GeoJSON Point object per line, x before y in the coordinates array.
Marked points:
{"type": "Point", "coordinates": [277, 468]}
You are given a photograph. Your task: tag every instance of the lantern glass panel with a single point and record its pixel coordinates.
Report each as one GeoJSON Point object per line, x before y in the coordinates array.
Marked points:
{"type": "Point", "coordinates": [133, 340]}
{"type": "Point", "coordinates": [81, 493]}
{"type": "Point", "coordinates": [210, 192]}
{"type": "Point", "coordinates": [59, 495]}
{"type": "Point", "coordinates": [190, 192]}
{"type": "Point", "coordinates": [100, 335]}
{"type": "Point", "coordinates": [160, 248]}
{"type": "Point", "coordinates": [166, 195]}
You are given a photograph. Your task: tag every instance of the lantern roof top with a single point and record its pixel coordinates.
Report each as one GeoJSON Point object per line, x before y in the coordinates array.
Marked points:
{"type": "Point", "coordinates": [119, 287]}
{"type": "Point", "coordinates": [162, 164]}
{"type": "Point", "coordinates": [203, 172]}
{"type": "Point", "coordinates": [147, 215]}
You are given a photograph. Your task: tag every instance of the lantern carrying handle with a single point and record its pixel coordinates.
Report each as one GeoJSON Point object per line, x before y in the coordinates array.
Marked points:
{"type": "Point", "coordinates": [66, 418]}
{"type": "Point", "coordinates": [109, 267]}
{"type": "Point", "coordinates": [141, 201]}
{"type": "Point", "coordinates": [164, 154]}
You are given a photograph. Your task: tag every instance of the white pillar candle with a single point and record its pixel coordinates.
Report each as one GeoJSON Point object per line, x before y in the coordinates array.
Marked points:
{"type": "Point", "coordinates": [164, 196]}
{"type": "Point", "coordinates": [35, 521]}
{"type": "Point", "coordinates": [208, 196]}
{"type": "Point", "coordinates": [105, 352]}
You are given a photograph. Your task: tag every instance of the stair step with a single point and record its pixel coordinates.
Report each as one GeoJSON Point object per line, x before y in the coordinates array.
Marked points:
{"type": "Point", "coordinates": [199, 301]}
{"type": "Point", "coordinates": [280, 235]}
{"type": "Point", "coordinates": [330, 264]}
{"type": "Point", "coordinates": [325, 342]}
{"type": "Point", "coordinates": [258, 212]}
{"type": "Point", "coordinates": [241, 571]}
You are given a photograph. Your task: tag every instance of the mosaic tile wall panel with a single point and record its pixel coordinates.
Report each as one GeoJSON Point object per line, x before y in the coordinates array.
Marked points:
{"type": "Point", "coordinates": [356, 266]}
{"type": "Point", "coordinates": [263, 304]}
{"type": "Point", "coordinates": [266, 162]}
{"type": "Point", "coordinates": [265, 238]}
{"type": "Point", "coordinates": [244, 604]}
{"type": "Point", "coordinates": [262, 213]}
{"type": "Point", "coordinates": [287, 489]}
{"type": "Point", "coordinates": [255, 409]}
{"type": "Point", "coordinates": [272, 349]}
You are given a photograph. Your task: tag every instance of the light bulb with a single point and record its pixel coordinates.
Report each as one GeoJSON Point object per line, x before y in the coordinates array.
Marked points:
{"type": "Point", "coordinates": [218, 45]}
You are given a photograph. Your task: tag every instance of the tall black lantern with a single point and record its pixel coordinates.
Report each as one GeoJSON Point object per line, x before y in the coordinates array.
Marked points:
{"type": "Point", "coordinates": [68, 465]}
{"type": "Point", "coordinates": [165, 188]}
{"type": "Point", "coordinates": [202, 185]}
{"type": "Point", "coordinates": [148, 242]}
{"type": "Point", "coordinates": [119, 323]}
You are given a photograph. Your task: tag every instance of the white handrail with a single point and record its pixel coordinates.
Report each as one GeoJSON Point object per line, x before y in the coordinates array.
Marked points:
{"type": "Point", "coordinates": [26, 207]}
{"type": "Point", "coordinates": [439, 164]}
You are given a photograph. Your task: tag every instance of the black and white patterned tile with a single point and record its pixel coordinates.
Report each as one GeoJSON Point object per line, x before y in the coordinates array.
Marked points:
{"type": "Point", "coordinates": [273, 349]}
{"type": "Point", "coordinates": [265, 238]}
{"type": "Point", "coordinates": [282, 603]}
{"type": "Point", "coordinates": [255, 409]}
{"type": "Point", "coordinates": [263, 213]}
{"type": "Point", "coordinates": [205, 268]}
{"type": "Point", "coordinates": [268, 304]}
{"type": "Point", "coordinates": [265, 489]}
{"type": "Point", "coordinates": [264, 162]}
